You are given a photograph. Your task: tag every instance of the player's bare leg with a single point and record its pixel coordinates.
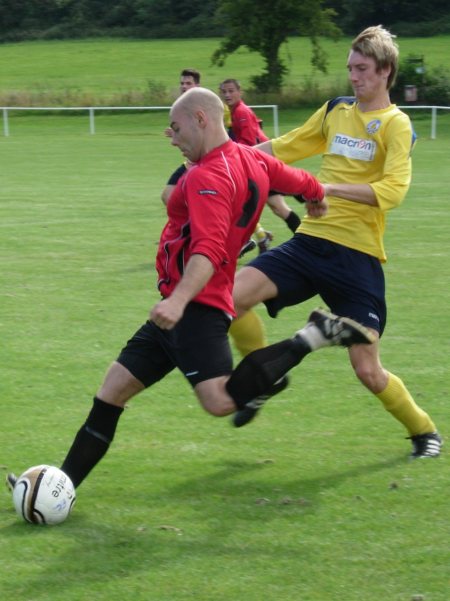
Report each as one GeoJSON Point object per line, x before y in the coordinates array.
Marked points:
{"type": "Point", "coordinates": [396, 399]}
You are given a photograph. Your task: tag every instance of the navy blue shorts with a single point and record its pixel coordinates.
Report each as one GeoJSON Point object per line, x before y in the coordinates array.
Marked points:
{"type": "Point", "coordinates": [350, 282]}
{"type": "Point", "coordinates": [198, 345]}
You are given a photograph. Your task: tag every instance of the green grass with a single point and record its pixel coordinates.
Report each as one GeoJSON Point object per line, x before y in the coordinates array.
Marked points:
{"type": "Point", "coordinates": [89, 70]}
{"type": "Point", "coordinates": [315, 501]}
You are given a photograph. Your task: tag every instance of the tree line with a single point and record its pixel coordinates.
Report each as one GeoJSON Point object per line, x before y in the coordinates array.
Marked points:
{"type": "Point", "coordinates": [53, 19]}
{"type": "Point", "coordinates": [261, 26]}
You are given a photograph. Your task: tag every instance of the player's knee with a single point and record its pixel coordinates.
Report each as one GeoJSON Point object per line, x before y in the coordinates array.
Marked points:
{"type": "Point", "coordinates": [218, 409]}
{"type": "Point", "coordinates": [214, 399]}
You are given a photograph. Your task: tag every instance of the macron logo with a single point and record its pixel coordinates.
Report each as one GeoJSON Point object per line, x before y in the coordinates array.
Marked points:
{"type": "Point", "coordinates": [353, 148]}
{"type": "Point", "coordinates": [203, 192]}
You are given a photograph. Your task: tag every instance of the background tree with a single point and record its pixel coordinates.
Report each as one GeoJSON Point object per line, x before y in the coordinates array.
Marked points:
{"type": "Point", "coordinates": [406, 18]}
{"type": "Point", "coordinates": [265, 25]}
{"type": "Point", "coordinates": [260, 25]}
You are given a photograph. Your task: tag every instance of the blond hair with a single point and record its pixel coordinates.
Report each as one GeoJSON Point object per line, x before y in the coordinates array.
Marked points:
{"type": "Point", "coordinates": [378, 43]}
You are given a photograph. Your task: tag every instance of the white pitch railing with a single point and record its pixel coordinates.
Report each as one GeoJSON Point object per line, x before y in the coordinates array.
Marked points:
{"type": "Point", "coordinates": [434, 110]}
{"type": "Point", "coordinates": [93, 109]}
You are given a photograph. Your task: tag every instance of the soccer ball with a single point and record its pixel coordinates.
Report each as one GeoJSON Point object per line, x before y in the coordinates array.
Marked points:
{"type": "Point", "coordinates": [44, 495]}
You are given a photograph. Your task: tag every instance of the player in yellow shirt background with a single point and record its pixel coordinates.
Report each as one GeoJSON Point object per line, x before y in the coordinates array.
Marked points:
{"type": "Point", "coordinates": [365, 143]}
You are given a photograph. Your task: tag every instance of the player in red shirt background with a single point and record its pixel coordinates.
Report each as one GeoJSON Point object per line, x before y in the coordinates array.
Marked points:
{"type": "Point", "coordinates": [246, 128]}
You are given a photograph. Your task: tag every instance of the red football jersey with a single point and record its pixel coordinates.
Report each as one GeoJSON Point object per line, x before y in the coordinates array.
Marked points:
{"type": "Point", "coordinates": [245, 125]}
{"type": "Point", "coordinates": [213, 211]}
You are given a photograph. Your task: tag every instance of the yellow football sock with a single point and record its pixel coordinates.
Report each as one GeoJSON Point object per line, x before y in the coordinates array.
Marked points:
{"type": "Point", "coordinates": [398, 401]}
{"type": "Point", "coordinates": [248, 333]}
{"type": "Point", "coordinates": [259, 228]}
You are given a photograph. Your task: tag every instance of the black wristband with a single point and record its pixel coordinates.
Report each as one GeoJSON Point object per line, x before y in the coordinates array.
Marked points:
{"type": "Point", "coordinates": [293, 221]}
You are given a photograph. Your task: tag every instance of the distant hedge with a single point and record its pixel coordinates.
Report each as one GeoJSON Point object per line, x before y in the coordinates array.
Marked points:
{"type": "Point", "coordinates": [159, 19]}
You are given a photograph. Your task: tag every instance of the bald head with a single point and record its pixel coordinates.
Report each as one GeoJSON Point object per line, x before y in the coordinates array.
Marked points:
{"type": "Point", "coordinates": [200, 99]}
{"type": "Point", "coordinates": [197, 123]}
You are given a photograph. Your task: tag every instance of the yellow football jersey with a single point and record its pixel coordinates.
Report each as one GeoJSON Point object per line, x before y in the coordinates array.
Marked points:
{"type": "Point", "coordinates": [226, 115]}
{"type": "Point", "coordinates": [357, 148]}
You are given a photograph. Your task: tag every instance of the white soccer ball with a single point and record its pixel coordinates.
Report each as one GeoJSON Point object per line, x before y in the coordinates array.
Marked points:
{"type": "Point", "coordinates": [44, 495]}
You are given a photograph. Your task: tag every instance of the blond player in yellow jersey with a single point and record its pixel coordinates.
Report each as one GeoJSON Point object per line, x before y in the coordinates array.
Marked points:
{"type": "Point", "coordinates": [365, 143]}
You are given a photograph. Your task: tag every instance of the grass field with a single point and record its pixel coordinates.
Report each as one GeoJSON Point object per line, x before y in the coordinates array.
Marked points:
{"type": "Point", "coordinates": [101, 71]}
{"type": "Point", "coordinates": [316, 501]}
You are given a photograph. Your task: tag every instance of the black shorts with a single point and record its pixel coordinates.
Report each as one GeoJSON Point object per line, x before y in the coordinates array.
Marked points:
{"type": "Point", "coordinates": [350, 282]}
{"type": "Point", "coordinates": [198, 345]}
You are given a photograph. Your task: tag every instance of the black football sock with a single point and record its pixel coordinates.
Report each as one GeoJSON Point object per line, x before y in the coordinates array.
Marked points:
{"type": "Point", "coordinates": [259, 370]}
{"type": "Point", "coordinates": [293, 221]}
{"type": "Point", "coordinates": [92, 441]}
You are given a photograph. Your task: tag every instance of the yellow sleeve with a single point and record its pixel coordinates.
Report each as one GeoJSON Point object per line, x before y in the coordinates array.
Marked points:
{"type": "Point", "coordinates": [391, 189]}
{"type": "Point", "coordinates": [302, 142]}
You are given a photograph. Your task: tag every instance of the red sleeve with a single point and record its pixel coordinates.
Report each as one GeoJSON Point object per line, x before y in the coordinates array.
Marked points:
{"type": "Point", "coordinates": [245, 126]}
{"type": "Point", "coordinates": [291, 180]}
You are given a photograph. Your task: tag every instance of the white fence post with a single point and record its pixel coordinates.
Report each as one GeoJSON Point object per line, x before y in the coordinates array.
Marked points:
{"type": "Point", "coordinates": [274, 108]}
{"type": "Point", "coordinates": [433, 122]}
{"type": "Point", "coordinates": [5, 122]}
{"type": "Point", "coordinates": [276, 128]}
{"type": "Point", "coordinates": [434, 110]}
{"type": "Point", "coordinates": [91, 120]}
